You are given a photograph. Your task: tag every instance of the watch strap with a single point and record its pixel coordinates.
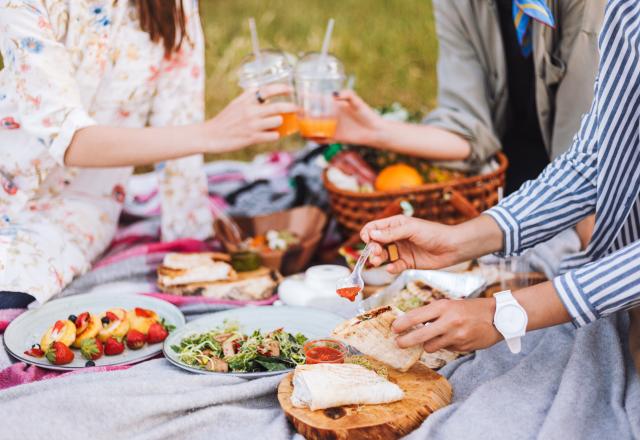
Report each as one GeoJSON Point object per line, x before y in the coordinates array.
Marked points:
{"type": "Point", "coordinates": [514, 344]}
{"type": "Point", "coordinates": [503, 297]}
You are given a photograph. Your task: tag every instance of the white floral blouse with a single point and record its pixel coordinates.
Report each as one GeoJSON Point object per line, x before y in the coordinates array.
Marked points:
{"type": "Point", "coordinates": [70, 64]}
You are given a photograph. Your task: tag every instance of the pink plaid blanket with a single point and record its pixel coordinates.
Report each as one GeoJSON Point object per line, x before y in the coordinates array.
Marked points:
{"type": "Point", "coordinates": [127, 248]}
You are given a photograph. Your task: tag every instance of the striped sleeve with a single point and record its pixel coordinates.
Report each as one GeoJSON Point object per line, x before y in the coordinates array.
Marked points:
{"type": "Point", "coordinates": [566, 191]}
{"type": "Point", "coordinates": [559, 198]}
{"type": "Point", "coordinates": [602, 287]}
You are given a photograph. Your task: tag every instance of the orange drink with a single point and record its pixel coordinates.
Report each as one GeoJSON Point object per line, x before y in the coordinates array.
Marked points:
{"type": "Point", "coordinates": [289, 124]}
{"type": "Point", "coordinates": [318, 129]}
{"type": "Point", "coordinates": [272, 67]}
{"type": "Point", "coordinates": [317, 78]}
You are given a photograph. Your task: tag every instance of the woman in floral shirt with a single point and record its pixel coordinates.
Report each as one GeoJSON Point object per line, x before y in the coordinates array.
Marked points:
{"type": "Point", "coordinates": [91, 88]}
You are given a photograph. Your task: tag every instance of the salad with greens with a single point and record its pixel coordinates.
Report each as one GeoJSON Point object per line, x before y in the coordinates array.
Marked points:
{"type": "Point", "coordinates": [227, 349]}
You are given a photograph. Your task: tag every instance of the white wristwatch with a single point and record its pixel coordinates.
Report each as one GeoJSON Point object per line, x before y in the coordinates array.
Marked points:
{"type": "Point", "coordinates": [510, 319]}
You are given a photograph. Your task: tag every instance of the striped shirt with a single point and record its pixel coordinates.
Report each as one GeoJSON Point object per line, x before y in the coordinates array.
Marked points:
{"type": "Point", "coordinates": [600, 173]}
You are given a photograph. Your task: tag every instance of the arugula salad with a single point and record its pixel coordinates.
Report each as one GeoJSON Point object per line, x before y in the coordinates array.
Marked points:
{"type": "Point", "coordinates": [227, 349]}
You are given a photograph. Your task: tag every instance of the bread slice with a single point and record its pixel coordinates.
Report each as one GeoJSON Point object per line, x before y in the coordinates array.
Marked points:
{"type": "Point", "coordinates": [247, 286]}
{"type": "Point", "coordinates": [371, 334]}
{"type": "Point", "coordinates": [205, 267]}
{"type": "Point", "coordinates": [175, 260]}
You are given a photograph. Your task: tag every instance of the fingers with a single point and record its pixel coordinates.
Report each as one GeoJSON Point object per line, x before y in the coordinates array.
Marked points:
{"type": "Point", "coordinates": [269, 123]}
{"type": "Point", "coordinates": [437, 343]}
{"type": "Point", "coordinates": [387, 230]}
{"type": "Point", "coordinates": [266, 137]}
{"type": "Point", "coordinates": [271, 90]}
{"type": "Point", "coordinates": [378, 254]}
{"type": "Point", "coordinates": [420, 335]}
{"type": "Point", "coordinates": [394, 228]}
{"type": "Point", "coordinates": [276, 108]}
{"type": "Point", "coordinates": [397, 267]}
{"type": "Point", "coordinates": [389, 223]}
{"type": "Point", "coordinates": [350, 97]}
{"type": "Point", "coordinates": [427, 313]}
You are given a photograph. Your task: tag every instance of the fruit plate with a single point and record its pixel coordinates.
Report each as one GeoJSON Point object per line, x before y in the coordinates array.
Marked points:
{"type": "Point", "coordinates": [28, 328]}
{"type": "Point", "coordinates": [312, 323]}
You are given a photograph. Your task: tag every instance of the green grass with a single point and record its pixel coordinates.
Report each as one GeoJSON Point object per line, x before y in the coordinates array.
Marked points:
{"type": "Point", "coordinates": [389, 45]}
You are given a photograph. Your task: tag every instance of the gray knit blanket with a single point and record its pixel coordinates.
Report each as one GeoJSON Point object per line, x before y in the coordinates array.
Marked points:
{"type": "Point", "coordinates": [566, 384]}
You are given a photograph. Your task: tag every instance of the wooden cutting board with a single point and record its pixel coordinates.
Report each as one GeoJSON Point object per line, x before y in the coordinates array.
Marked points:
{"type": "Point", "coordinates": [425, 391]}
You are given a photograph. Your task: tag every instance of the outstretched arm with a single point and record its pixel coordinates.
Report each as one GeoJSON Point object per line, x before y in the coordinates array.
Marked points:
{"type": "Point", "coordinates": [242, 123]}
{"type": "Point", "coordinates": [459, 128]}
{"type": "Point", "coordinates": [51, 108]}
{"type": "Point", "coordinates": [360, 124]}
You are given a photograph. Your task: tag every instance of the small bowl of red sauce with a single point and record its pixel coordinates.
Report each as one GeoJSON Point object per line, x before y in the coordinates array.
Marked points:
{"type": "Point", "coordinates": [325, 351]}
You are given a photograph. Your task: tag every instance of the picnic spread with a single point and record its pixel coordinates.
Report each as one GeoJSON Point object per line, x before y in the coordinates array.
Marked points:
{"type": "Point", "coordinates": [304, 312]}
{"type": "Point", "coordinates": [481, 381]}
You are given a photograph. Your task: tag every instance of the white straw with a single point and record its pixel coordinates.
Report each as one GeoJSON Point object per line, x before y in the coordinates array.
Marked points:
{"type": "Point", "coordinates": [351, 82]}
{"type": "Point", "coordinates": [254, 37]}
{"type": "Point", "coordinates": [327, 37]}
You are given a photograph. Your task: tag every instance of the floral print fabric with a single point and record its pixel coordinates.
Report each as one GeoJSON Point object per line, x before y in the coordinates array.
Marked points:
{"type": "Point", "coordinates": [70, 64]}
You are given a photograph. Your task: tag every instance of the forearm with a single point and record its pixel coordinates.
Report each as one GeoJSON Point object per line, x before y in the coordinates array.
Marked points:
{"type": "Point", "coordinates": [103, 146]}
{"type": "Point", "coordinates": [477, 237]}
{"type": "Point", "coordinates": [421, 140]}
{"type": "Point", "coordinates": [543, 305]}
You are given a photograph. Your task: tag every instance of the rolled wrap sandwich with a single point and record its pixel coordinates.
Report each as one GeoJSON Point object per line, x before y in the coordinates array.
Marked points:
{"type": "Point", "coordinates": [371, 334]}
{"type": "Point", "coordinates": [323, 386]}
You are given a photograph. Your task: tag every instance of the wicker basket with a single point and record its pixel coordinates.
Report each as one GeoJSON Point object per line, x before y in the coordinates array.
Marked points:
{"type": "Point", "coordinates": [449, 202]}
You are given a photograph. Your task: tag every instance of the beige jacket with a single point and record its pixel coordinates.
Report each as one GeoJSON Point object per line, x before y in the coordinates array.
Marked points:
{"type": "Point", "coordinates": [472, 95]}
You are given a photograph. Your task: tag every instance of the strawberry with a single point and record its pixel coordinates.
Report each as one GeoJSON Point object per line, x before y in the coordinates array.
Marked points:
{"type": "Point", "coordinates": [135, 339]}
{"type": "Point", "coordinates": [144, 313]}
{"type": "Point", "coordinates": [35, 351]}
{"type": "Point", "coordinates": [59, 354]}
{"type": "Point", "coordinates": [82, 321]}
{"type": "Point", "coordinates": [112, 316]}
{"type": "Point", "coordinates": [113, 346]}
{"type": "Point", "coordinates": [157, 333]}
{"type": "Point", "coordinates": [91, 349]}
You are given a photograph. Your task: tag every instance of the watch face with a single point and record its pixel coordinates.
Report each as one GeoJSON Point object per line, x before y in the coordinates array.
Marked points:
{"type": "Point", "coordinates": [510, 319]}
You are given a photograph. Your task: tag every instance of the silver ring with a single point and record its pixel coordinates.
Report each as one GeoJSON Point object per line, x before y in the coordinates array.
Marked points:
{"type": "Point", "coordinates": [259, 97]}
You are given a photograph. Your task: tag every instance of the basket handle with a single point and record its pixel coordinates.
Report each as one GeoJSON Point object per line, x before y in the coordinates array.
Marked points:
{"type": "Point", "coordinates": [461, 203]}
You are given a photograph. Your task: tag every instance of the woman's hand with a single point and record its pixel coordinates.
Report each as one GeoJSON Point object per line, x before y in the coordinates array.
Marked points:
{"type": "Point", "coordinates": [357, 122]}
{"type": "Point", "coordinates": [459, 325]}
{"type": "Point", "coordinates": [427, 245]}
{"type": "Point", "coordinates": [245, 121]}
{"type": "Point", "coordinates": [421, 244]}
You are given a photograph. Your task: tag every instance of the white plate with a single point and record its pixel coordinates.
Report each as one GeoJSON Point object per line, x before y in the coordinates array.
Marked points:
{"type": "Point", "coordinates": [312, 323]}
{"type": "Point", "coordinates": [28, 328]}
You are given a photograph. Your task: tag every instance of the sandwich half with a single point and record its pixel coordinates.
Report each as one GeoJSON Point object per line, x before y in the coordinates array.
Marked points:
{"type": "Point", "coordinates": [181, 269]}
{"type": "Point", "coordinates": [210, 274]}
{"type": "Point", "coordinates": [371, 334]}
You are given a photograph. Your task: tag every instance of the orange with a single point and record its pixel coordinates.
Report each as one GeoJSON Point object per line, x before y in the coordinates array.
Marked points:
{"type": "Point", "coordinates": [398, 176]}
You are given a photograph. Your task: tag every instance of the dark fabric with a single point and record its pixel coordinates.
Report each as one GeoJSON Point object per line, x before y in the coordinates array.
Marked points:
{"type": "Point", "coordinates": [634, 336]}
{"type": "Point", "coordinates": [522, 140]}
{"type": "Point", "coordinates": [15, 300]}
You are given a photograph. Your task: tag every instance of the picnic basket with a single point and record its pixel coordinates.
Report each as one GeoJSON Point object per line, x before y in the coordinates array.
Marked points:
{"type": "Point", "coordinates": [448, 202]}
